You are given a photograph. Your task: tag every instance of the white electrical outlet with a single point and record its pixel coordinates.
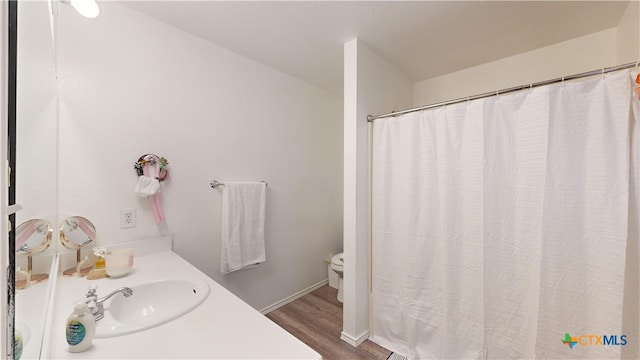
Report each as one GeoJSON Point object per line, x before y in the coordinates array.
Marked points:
{"type": "Point", "coordinates": [127, 218]}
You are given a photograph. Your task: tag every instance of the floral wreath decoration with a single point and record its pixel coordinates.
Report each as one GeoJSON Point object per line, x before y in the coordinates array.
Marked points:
{"type": "Point", "coordinates": [151, 170]}
{"type": "Point", "coordinates": [152, 160]}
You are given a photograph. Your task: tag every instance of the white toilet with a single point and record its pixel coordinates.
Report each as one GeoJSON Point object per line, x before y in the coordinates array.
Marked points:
{"type": "Point", "coordinates": [337, 263]}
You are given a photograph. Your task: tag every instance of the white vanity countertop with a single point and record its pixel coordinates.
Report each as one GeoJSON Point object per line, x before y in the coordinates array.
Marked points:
{"type": "Point", "coordinates": [222, 327]}
{"type": "Point", "coordinates": [30, 317]}
{"type": "Point", "coordinates": [31, 311]}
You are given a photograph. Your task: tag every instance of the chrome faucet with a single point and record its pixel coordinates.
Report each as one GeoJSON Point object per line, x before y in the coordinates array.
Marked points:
{"type": "Point", "coordinates": [96, 304]}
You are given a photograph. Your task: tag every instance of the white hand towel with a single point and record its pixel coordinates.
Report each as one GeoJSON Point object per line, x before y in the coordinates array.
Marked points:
{"type": "Point", "coordinates": [243, 216]}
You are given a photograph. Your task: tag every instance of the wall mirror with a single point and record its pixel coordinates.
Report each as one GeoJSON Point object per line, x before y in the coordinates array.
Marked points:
{"type": "Point", "coordinates": [36, 164]}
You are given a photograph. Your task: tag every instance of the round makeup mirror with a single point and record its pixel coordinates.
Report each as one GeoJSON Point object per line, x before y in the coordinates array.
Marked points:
{"type": "Point", "coordinates": [76, 232]}
{"type": "Point", "coordinates": [33, 237]}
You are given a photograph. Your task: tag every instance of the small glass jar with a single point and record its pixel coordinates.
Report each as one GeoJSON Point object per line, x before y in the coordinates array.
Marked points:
{"type": "Point", "coordinates": [99, 254]}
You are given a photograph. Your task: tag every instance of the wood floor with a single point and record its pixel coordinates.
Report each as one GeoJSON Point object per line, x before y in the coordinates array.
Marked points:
{"type": "Point", "coordinates": [316, 319]}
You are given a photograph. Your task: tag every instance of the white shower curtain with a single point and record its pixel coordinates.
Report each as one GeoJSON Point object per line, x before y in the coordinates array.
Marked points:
{"type": "Point", "coordinates": [500, 225]}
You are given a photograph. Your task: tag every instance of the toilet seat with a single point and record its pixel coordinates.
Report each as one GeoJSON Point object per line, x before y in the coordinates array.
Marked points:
{"type": "Point", "coordinates": [337, 262]}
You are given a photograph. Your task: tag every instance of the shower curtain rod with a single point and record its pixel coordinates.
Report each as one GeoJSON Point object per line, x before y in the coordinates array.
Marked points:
{"type": "Point", "coordinates": [370, 118]}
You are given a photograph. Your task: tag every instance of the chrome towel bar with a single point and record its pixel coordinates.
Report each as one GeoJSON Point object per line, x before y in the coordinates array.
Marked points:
{"type": "Point", "coordinates": [215, 183]}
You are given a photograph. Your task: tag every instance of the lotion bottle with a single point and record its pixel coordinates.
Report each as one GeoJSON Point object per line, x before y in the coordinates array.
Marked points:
{"type": "Point", "coordinates": [81, 328]}
{"type": "Point", "coordinates": [18, 345]}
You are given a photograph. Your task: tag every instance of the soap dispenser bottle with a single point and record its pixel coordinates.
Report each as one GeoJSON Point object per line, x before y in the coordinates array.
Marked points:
{"type": "Point", "coordinates": [18, 345]}
{"type": "Point", "coordinates": [81, 328]}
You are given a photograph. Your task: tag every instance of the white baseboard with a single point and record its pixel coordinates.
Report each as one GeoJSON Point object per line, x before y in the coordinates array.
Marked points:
{"type": "Point", "coordinates": [295, 296]}
{"type": "Point", "coordinates": [354, 341]}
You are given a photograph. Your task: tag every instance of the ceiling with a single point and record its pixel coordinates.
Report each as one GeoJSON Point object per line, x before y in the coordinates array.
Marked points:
{"type": "Point", "coordinates": [422, 39]}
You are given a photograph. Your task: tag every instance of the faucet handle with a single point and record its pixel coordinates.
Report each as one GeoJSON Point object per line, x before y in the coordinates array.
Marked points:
{"type": "Point", "coordinates": [96, 309]}
{"type": "Point", "coordinates": [92, 292]}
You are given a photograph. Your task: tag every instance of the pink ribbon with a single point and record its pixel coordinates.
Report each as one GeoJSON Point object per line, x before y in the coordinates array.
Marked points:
{"type": "Point", "coordinates": [155, 203]}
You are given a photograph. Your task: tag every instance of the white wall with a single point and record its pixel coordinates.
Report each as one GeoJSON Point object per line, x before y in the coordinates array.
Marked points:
{"type": "Point", "coordinates": [585, 53]}
{"type": "Point", "coordinates": [629, 34]}
{"type": "Point", "coordinates": [130, 85]}
{"type": "Point", "coordinates": [371, 86]}
{"type": "Point", "coordinates": [615, 46]}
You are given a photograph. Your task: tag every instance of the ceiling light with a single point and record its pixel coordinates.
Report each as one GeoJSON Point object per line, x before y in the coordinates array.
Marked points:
{"type": "Point", "coordinates": [86, 8]}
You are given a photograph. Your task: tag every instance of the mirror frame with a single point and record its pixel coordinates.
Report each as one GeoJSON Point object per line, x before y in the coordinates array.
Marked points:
{"type": "Point", "coordinates": [11, 135]}
{"type": "Point", "coordinates": [44, 241]}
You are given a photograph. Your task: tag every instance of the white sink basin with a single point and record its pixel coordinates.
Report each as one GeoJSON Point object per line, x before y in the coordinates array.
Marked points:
{"type": "Point", "coordinates": [151, 304]}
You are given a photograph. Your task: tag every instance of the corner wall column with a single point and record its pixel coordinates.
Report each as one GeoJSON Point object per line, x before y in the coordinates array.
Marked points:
{"type": "Point", "coordinates": [371, 86]}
